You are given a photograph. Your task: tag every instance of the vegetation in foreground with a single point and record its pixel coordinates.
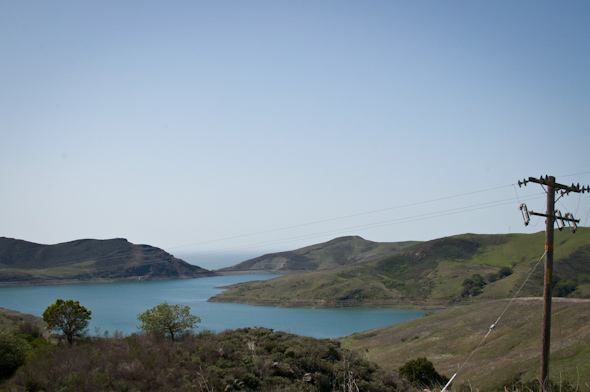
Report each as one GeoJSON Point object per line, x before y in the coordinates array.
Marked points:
{"type": "Point", "coordinates": [249, 359]}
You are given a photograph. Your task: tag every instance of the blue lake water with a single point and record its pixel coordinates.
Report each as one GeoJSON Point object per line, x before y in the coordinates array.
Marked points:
{"type": "Point", "coordinates": [115, 307]}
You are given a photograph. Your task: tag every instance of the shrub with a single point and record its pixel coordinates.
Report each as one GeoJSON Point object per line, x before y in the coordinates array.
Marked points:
{"type": "Point", "coordinates": [420, 372]}
{"type": "Point", "coordinates": [504, 272]}
{"type": "Point", "coordinates": [242, 359]}
{"type": "Point", "coordinates": [472, 286]}
{"type": "Point", "coordinates": [13, 351]}
{"type": "Point", "coordinates": [563, 288]}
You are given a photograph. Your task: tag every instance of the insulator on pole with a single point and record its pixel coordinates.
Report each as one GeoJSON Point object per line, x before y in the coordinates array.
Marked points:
{"type": "Point", "coordinates": [559, 220]}
{"type": "Point", "coordinates": [571, 222]}
{"type": "Point", "coordinates": [525, 214]}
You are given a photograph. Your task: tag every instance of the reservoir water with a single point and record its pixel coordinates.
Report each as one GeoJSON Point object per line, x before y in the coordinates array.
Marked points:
{"type": "Point", "coordinates": [115, 307]}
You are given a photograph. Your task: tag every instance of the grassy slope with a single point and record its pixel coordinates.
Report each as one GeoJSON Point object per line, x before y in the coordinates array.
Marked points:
{"type": "Point", "coordinates": [329, 255]}
{"type": "Point", "coordinates": [512, 350]}
{"type": "Point", "coordinates": [428, 274]}
{"type": "Point", "coordinates": [12, 317]}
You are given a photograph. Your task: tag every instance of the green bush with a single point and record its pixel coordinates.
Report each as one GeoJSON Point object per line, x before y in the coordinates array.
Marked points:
{"type": "Point", "coordinates": [504, 272]}
{"type": "Point", "coordinates": [13, 351]}
{"type": "Point", "coordinates": [472, 286]}
{"type": "Point", "coordinates": [420, 372]}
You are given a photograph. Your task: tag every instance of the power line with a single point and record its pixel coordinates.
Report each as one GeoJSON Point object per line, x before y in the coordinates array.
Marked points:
{"type": "Point", "coordinates": [343, 217]}
{"type": "Point", "coordinates": [414, 218]}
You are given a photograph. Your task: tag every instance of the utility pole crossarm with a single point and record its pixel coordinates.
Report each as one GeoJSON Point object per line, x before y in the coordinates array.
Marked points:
{"type": "Point", "coordinates": [547, 181]}
{"type": "Point", "coordinates": [555, 217]}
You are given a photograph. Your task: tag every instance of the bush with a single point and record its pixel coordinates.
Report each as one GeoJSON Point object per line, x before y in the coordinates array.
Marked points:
{"type": "Point", "coordinates": [472, 286]}
{"type": "Point", "coordinates": [504, 272]}
{"type": "Point", "coordinates": [13, 351]}
{"type": "Point", "coordinates": [244, 359]}
{"type": "Point", "coordinates": [563, 288]}
{"type": "Point", "coordinates": [420, 372]}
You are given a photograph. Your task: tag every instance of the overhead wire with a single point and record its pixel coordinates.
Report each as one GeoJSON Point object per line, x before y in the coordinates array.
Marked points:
{"type": "Point", "coordinates": [342, 217]}
{"type": "Point", "coordinates": [372, 225]}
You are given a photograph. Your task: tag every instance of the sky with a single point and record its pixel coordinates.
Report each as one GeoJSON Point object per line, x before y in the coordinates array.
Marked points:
{"type": "Point", "coordinates": [213, 128]}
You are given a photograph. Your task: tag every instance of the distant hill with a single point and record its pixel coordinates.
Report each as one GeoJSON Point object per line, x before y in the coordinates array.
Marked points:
{"type": "Point", "coordinates": [334, 254]}
{"type": "Point", "coordinates": [432, 274]}
{"type": "Point", "coordinates": [510, 354]}
{"type": "Point", "coordinates": [88, 260]}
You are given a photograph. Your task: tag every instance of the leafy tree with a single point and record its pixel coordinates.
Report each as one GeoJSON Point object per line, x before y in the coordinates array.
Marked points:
{"type": "Point", "coordinates": [69, 317]}
{"type": "Point", "coordinates": [13, 351]}
{"type": "Point", "coordinates": [168, 319]}
{"type": "Point", "coordinates": [421, 373]}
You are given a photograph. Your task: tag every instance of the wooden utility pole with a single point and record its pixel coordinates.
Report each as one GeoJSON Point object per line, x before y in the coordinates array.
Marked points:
{"type": "Point", "coordinates": [547, 292]}
{"type": "Point", "coordinates": [551, 216]}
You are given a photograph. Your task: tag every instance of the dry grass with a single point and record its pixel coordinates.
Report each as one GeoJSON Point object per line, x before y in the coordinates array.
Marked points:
{"type": "Point", "coordinates": [511, 352]}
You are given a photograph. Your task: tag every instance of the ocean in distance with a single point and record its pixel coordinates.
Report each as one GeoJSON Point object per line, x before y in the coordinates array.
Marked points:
{"type": "Point", "coordinates": [115, 307]}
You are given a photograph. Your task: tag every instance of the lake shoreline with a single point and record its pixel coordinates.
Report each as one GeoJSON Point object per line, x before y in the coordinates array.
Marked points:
{"type": "Point", "coordinates": [115, 306]}
{"type": "Point", "coordinates": [211, 273]}
{"type": "Point", "coordinates": [322, 304]}
{"type": "Point", "coordinates": [65, 282]}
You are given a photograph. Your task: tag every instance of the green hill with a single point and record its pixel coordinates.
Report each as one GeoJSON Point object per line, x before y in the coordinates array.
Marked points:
{"type": "Point", "coordinates": [330, 255]}
{"type": "Point", "coordinates": [510, 353]}
{"type": "Point", "coordinates": [433, 274]}
{"type": "Point", "coordinates": [23, 262]}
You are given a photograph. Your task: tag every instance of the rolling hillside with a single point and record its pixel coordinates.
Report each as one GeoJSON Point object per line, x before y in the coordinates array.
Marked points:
{"type": "Point", "coordinates": [330, 255]}
{"type": "Point", "coordinates": [28, 263]}
{"type": "Point", "coordinates": [510, 353]}
{"type": "Point", "coordinates": [433, 274]}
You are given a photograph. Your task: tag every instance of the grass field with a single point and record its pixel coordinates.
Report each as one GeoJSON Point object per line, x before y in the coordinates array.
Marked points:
{"type": "Point", "coordinates": [511, 352]}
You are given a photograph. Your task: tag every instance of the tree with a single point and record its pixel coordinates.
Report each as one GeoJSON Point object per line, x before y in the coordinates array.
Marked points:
{"type": "Point", "coordinates": [421, 373]}
{"type": "Point", "coordinates": [69, 317]}
{"type": "Point", "coordinates": [168, 319]}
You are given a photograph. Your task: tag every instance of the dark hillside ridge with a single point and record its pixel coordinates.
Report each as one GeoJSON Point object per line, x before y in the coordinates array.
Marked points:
{"type": "Point", "coordinates": [88, 260]}
{"type": "Point", "coordinates": [334, 254]}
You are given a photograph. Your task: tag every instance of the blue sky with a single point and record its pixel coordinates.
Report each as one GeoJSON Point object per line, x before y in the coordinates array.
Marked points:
{"type": "Point", "coordinates": [209, 127]}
